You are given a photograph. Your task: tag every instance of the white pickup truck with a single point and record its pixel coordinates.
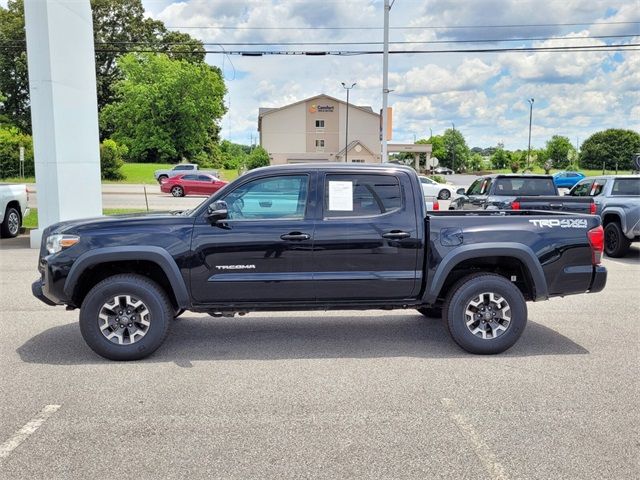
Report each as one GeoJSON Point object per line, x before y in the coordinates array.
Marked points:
{"type": "Point", "coordinates": [180, 169]}
{"type": "Point", "coordinates": [13, 208]}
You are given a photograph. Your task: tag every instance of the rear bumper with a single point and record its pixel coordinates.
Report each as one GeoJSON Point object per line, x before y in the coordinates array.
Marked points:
{"type": "Point", "coordinates": [37, 290]}
{"type": "Point", "coordinates": [599, 279]}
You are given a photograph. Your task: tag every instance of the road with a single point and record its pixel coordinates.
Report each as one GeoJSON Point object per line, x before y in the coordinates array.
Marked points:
{"type": "Point", "coordinates": [323, 395]}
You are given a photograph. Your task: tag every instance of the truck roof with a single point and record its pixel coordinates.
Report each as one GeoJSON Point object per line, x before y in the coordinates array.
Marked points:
{"type": "Point", "coordinates": [305, 167]}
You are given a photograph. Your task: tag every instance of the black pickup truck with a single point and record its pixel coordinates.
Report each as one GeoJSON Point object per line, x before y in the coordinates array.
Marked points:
{"type": "Point", "coordinates": [519, 192]}
{"type": "Point", "coordinates": [316, 237]}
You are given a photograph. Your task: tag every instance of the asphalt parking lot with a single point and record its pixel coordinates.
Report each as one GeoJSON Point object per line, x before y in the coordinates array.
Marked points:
{"type": "Point", "coordinates": [323, 395]}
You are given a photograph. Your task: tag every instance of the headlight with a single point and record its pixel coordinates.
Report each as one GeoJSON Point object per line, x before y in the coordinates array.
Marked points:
{"type": "Point", "coordinates": [56, 243]}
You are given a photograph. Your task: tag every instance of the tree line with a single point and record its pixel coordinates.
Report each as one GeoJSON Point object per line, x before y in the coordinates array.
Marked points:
{"type": "Point", "coordinates": [611, 149]}
{"type": "Point", "coordinates": [160, 107]}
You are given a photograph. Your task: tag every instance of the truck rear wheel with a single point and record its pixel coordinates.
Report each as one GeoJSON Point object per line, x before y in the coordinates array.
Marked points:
{"type": "Point", "coordinates": [616, 245]}
{"type": "Point", "coordinates": [10, 226]}
{"type": "Point", "coordinates": [485, 313]}
{"type": "Point", "coordinates": [125, 317]}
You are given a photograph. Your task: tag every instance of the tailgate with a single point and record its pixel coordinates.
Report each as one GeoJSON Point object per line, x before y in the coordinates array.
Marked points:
{"type": "Point", "coordinates": [557, 204]}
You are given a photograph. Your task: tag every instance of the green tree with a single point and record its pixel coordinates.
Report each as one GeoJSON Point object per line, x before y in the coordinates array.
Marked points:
{"type": "Point", "coordinates": [476, 162]}
{"type": "Point", "coordinates": [119, 26]}
{"type": "Point", "coordinates": [111, 159]}
{"type": "Point", "coordinates": [500, 158]}
{"type": "Point", "coordinates": [454, 141]}
{"type": "Point", "coordinates": [13, 66]}
{"type": "Point", "coordinates": [165, 110]}
{"type": "Point", "coordinates": [259, 157]}
{"type": "Point", "coordinates": [610, 147]}
{"type": "Point", "coordinates": [542, 159]}
{"type": "Point", "coordinates": [558, 150]}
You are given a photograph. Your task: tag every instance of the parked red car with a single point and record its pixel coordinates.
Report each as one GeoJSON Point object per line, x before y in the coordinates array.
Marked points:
{"type": "Point", "coordinates": [192, 184]}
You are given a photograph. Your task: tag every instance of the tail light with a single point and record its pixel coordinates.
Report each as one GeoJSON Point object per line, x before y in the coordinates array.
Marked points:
{"type": "Point", "coordinates": [596, 240]}
{"type": "Point", "coordinates": [515, 205]}
{"type": "Point", "coordinates": [592, 208]}
{"type": "Point", "coordinates": [436, 205]}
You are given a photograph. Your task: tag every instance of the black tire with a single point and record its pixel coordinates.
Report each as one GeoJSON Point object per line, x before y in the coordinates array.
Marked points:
{"type": "Point", "coordinates": [177, 191]}
{"type": "Point", "coordinates": [162, 178]}
{"type": "Point", "coordinates": [155, 299]}
{"type": "Point", "coordinates": [11, 224]}
{"type": "Point", "coordinates": [444, 194]}
{"type": "Point", "coordinates": [431, 312]}
{"type": "Point", "coordinates": [616, 245]}
{"type": "Point", "coordinates": [469, 289]}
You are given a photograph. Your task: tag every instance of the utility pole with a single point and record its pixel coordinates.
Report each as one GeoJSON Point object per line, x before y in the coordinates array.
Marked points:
{"type": "Point", "coordinates": [531, 100]}
{"type": "Point", "coordinates": [346, 133]}
{"type": "Point", "coordinates": [453, 138]}
{"type": "Point", "coordinates": [385, 81]}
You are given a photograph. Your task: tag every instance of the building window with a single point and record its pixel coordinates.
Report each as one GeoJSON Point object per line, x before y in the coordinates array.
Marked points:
{"type": "Point", "coordinates": [319, 145]}
{"type": "Point", "coordinates": [319, 123]}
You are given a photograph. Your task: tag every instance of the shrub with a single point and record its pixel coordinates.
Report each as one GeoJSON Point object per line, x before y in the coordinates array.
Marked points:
{"type": "Point", "coordinates": [11, 139]}
{"type": "Point", "coordinates": [437, 178]}
{"type": "Point", "coordinates": [515, 166]}
{"type": "Point", "coordinates": [258, 158]}
{"type": "Point", "coordinates": [111, 159]}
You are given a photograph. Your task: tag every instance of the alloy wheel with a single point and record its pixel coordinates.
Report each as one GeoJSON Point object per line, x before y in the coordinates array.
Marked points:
{"type": "Point", "coordinates": [488, 315]}
{"type": "Point", "coordinates": [124, 319]}
{"type": "Point", "coordinates": [13, 222]}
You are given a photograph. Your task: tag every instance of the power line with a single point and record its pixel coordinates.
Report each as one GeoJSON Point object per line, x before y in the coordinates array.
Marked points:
{"type": "Point", "coordinates": [424, 27]}
{"type": "Point", "coordinates": [258, 53]}
{"type": "Point", "coordinates": [424, 42]}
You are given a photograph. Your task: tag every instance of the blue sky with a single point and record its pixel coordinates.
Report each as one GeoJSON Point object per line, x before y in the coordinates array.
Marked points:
{"type": "Point", "coordinates": [576, 93]}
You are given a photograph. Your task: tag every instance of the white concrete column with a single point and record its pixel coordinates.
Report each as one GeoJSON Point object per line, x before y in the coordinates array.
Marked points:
{"type": "Point", "coordinates": [64, 110]}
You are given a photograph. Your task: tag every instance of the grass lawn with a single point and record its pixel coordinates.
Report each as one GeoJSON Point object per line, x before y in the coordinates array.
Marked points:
{"type": "Point", "coordinates": [136, 173]}
{"type": "Point", "coordinates": [31, 220]}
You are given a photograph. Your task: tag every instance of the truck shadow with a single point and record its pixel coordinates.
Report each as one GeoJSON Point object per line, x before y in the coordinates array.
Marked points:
{"type": "Point", "coordinates": [272, 338]}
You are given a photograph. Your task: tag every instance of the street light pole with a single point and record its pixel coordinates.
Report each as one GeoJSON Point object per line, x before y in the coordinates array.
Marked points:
{"type": "Point", "coordinates": [346, 133]}
{"type": "Point", "coordinates": [385, 81]}
{"type": "Point", "coordinates": [454, 146]}
{"type": "Point", "coordinates": [531, 100]}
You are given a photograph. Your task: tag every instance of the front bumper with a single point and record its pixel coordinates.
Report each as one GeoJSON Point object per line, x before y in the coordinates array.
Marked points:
{"type": "Point", "coordinates": [599, 279]}
{"type": "Point", "coordinates": [37, 290]}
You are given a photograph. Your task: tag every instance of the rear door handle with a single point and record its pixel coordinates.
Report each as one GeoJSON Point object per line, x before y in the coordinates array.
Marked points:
{"type": "Point", "coordinates": [295, 236]}
{"type": "Point", "coordinates": [396, 235]}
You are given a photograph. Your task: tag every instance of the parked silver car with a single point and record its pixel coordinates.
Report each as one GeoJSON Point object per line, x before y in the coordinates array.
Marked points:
{"type": "Point", "coordinates": [13, 208]}
{"type": "Point", "coordinates": [617, 199]}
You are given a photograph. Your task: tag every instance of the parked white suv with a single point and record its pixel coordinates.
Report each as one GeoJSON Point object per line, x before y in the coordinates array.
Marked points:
{"type": "Point", "coordinates": [13, 209]}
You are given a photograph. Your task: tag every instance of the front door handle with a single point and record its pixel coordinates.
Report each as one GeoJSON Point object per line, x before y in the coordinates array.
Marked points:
{"type": "Point", "coordinates": [295, 236]}
{"type": "Point", "coordinates": [396, 235]}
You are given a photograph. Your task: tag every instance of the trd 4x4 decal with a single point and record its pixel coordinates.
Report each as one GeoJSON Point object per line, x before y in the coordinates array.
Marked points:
{"type": "Point", "coordinates": [564, 223]}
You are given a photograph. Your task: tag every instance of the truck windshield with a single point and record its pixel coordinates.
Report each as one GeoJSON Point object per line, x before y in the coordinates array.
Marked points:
{"type": "Point", "coordinates": [525, 186]}
{"type": "Point", "coordinates": [626, 187]}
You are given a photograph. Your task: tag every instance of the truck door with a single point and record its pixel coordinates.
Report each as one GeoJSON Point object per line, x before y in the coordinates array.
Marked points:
{"type": "Point", "coordinates": [263, 251]}
{"type": "Point", "coordinates": [367, 240]}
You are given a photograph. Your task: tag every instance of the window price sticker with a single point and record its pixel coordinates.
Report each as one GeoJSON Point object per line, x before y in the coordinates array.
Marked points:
{"type": "Point", "coordinates": [341, 196]}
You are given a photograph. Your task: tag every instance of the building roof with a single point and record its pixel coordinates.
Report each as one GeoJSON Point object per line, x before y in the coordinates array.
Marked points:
{"type": "Point", "coordinates": [265, 111]}
{"type": "Point", "coordinates": [350, 147]}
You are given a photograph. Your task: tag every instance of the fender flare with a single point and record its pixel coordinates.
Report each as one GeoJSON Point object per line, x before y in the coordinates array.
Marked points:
{"type": "Point", "coordinates": [157, 255]}
{"type": "Point", "coordinates": [500, 249]}
{"type": "Point", "coordinates": [617, 212]}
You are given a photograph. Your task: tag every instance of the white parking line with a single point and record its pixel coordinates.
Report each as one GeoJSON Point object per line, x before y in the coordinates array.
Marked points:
{"type": "Point", "coordinates": [483, 452]}
{"type": "Point", "coordinates": [29, 428]}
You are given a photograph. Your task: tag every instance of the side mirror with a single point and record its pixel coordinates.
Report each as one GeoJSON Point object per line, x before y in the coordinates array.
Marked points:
{"type": "Point", "coordinates": [461, 191]}
{"type": "Point", "coordinates": [217, 211]}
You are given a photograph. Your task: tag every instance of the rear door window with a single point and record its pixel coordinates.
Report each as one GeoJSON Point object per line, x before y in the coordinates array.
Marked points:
{"type": "Point", "coordinates": [189, 177]}
{"type": "Point", "coordinates": [361, 195]}
{"type": "Point", "coordinates": [626, 187]}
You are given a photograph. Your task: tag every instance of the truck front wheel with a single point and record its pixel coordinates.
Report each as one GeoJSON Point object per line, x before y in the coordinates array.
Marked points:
{"type": "Point", "coordinates": [485, 313]}
{"type": "Point", "coordinates": [125, 317]}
